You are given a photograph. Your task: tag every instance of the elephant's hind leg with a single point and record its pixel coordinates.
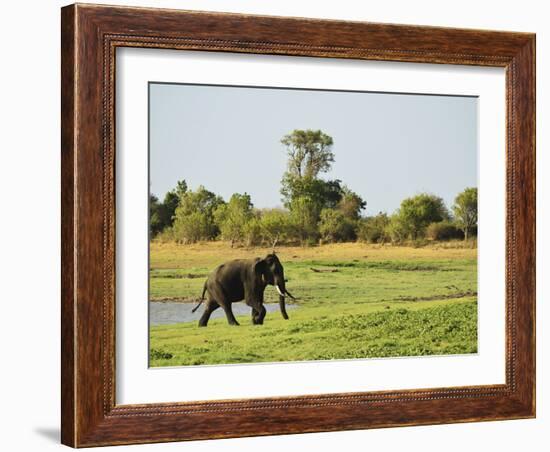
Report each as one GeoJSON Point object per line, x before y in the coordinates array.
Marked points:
{"type": "Point", "coordinates": [219, 295]}
{"type": "Point", "coordinates": [229, 314]}
{"type": "Point", "coordinates": [210, 307]}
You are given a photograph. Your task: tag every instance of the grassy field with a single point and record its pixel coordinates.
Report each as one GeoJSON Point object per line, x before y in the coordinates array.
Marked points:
{"type": "Point", "coordinates": [379, 301]}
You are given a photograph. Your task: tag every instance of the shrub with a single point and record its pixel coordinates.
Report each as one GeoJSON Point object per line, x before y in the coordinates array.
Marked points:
{"type": "Point", "coordinates": [373, 229]}
{"type": "Point", "coordinates": [252, 231]}
{"type": "Point", "coordinates": [165, 236]}
{"type": "Point", "coordinates": [194, 216]}
{"type": "Point", "coordinates": [443, 230]}
{"type": "Point", "coordinates": [192, 228]}
{"type": "Point", "coordinates": [232, 218]}
{"type": "Point", "coordinates": [396, 230]}
{"type": "Point", "coordinates": [303, 220]}
{"type": "Point", "coordinates": [335, 227]}
{"type": "Point", "coordinates": [275, 226]}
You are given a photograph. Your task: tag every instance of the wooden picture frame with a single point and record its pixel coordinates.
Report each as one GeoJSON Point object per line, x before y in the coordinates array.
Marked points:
{"type": "Point", "coordinates": [90, 35]}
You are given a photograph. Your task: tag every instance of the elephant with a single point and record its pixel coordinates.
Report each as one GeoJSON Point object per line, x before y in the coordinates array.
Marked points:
{"type": "Point", "coordinates": [243, 279]}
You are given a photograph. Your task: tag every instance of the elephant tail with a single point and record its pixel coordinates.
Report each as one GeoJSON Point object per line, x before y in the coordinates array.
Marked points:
{"type": "Point", "coordinates": [201, 300]}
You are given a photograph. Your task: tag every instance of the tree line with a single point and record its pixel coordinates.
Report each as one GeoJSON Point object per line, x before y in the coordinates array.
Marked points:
{"type": "Point", "coordinates": [314, 210]}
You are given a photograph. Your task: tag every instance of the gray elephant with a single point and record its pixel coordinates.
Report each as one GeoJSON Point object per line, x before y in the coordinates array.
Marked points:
{"type": "Point", "coordinates": [243, 279]}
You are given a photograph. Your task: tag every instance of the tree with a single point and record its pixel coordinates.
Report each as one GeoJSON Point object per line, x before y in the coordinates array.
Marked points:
{"type": "Point", "coordinates": [335, 227]}
{"type": "Point", "coordinates": [233, 217]}
{"type": "Point", "coordinates": [181, 188]}
{"type": "Point", "coordinates": [172, 200]}
{"type": "Point", "coordinates": [305, 194]}
{"type": "Point", "coordinates": [443, 230]}
{"type": "Point", "coordinates": [351, 204]}
{"type": "Point", "coordinates": [253, 230]}
{"type": "Point", "coordinates": [416, 213]}
{"type": "Point", "coordinates": [303, 220]}
{"type": "Point", "coordinates": [194, 216]}
{"type": "Point", "coordinates": [309, 152]}
{"type": "Point", "coordinates": [465, 210]}
{"type": "Point", "coordinates": [324, 194]}
{"type": "Point", "coordinates": [168, 208]}
{"type": "Point", "coordinates": [396, 230]}
{"type": "Point", "coordinates": [275, 226]}
{"type": "Point", "coordinates": [155, 221]}
{"type": "Point", "coordinates": [373, 229]}
{"type": "Point", "coordinates": [161, 214]}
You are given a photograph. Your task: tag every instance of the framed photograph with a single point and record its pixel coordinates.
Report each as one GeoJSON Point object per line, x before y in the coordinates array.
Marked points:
{"type": "Point", "coordinates": [281, 225]}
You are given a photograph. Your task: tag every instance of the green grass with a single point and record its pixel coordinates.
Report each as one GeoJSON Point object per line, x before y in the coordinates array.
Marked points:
{"type": "Point", "coordinates": [376, 302]}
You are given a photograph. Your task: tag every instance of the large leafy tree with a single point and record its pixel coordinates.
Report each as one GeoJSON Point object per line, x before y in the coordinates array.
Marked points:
{"type": "Point", "coordinates": [417, 212]}
{"type": "Point", "coordinates": [309, 152]}
{"type": "Point", "coordinates": [305, 194]}
{"type": "Point", "coordinates": [465, 210]}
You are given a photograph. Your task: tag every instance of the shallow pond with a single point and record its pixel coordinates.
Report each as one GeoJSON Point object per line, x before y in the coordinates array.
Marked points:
{"type": "Point", "coordinates": [165, 313]}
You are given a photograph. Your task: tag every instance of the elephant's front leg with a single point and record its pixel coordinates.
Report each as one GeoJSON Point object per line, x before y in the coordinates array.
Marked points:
{"type": "Point", "coordinates": [256, 302]}
{"type": "Point", "coordinates": [258, 315]}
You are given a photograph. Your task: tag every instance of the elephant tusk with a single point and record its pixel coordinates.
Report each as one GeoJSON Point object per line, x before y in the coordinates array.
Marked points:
{"type": "Point", "coordinates": [290, 295]}
{"type": "Point", "coordinates": [279, 290]}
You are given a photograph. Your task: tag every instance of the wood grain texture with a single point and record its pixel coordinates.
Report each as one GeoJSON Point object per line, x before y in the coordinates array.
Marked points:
{"type": "Point", "coordinates": [68, 310]}
{"type": "Point", "coordinates": [90, 36]}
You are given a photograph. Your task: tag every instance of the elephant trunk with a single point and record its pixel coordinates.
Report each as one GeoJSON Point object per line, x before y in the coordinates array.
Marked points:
{"type": "Point", "coordinates": [283, 307]}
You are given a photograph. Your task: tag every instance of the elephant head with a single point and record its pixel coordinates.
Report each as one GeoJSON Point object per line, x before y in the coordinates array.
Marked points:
{"type": "Point", "coordinates": [272, 273]}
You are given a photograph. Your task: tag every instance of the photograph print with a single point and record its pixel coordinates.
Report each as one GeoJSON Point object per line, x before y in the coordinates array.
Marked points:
{"type": "Point", "coordinates": [303, 225]}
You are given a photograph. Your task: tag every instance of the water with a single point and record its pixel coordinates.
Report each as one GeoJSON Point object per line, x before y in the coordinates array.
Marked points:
{"type": "Point", "coordinates": [165, 313]}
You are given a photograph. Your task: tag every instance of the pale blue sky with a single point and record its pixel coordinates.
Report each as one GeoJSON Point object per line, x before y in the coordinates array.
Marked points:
{"type": "Point", "coordinates": [387, 146]}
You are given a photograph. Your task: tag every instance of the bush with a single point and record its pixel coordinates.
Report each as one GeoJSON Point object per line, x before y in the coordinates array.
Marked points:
{"type": "Point", "coordinates": [443, 230]}
{"type": "Point", "coordinates": [232, 218]}
{"type": "Point", "coordinates": [194, 217]}
{"type": "Point", "coordinates": [335, 227]}
{"type": "Point", "coordinates": [396, 230]}
{"type": "Point", "coordinates": [303, 220]}
{"type": "Point", "coordinates": [275, 226]}
{"type": "Point", "coordinates": [372, 229]}
{"type": "Point", "coordinates": [193, 228]}
{"type": "Point", "coordinates": [165, 236]}
{"type": "Point", "coordinates": [253, 231]}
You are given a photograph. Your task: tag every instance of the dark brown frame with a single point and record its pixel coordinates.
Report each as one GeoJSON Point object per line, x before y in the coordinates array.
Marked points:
{"type": "Point", "coordinates": [90, 34]}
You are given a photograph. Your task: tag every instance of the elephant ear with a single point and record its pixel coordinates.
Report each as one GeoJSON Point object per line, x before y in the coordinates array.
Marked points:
{"type": "Point", "coordinates": [260, 269]}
